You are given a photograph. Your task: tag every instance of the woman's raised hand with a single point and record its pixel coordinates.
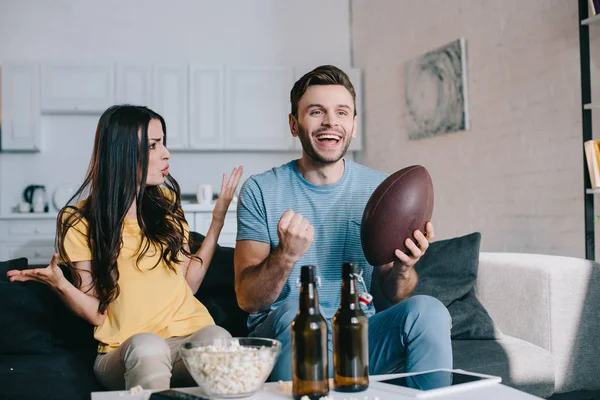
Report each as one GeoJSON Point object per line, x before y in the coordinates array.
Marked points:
{"type": "Point", "coordinates": [228, 187]}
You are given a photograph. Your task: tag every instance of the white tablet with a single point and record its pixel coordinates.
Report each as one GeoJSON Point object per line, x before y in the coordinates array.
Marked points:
{"type": "Point", "coordinates": [435, 383]}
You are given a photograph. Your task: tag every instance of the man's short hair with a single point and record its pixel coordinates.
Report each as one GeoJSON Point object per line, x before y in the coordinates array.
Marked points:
{"type": "Point", "coordinates": [323, 75]}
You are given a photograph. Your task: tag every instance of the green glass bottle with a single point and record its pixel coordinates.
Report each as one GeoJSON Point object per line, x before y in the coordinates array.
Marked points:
{"type": "Point", "coordinates": [350, 327]}
{"type": "Point", "coordinates": [309, 342]}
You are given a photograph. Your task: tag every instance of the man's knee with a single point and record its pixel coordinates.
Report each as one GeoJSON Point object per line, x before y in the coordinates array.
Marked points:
{"type": "Point", "coordinates": [277, 324]}
{"type": "Point", "coordinates": [428, 310]}
{"type": "Point", "coordinates": [145, 345]}
{"type": "Point", "coordinates": [285, 315]}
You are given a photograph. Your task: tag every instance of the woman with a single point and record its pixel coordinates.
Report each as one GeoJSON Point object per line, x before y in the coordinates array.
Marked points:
{"type": "Point", "coordinates": [126, 246]}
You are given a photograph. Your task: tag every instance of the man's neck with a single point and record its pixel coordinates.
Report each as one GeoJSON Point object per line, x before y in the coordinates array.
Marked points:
{"type": "Point", "coordinates": [320, 174]}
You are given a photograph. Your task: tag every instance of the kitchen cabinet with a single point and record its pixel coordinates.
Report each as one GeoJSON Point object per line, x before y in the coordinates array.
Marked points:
{"type": "Point", "coordinates": [170, 99]}
{"type": "Point", "coordinates": [77, 88]}
{"type": "Point", "coordinates": [355, 75]}
{"type": "Point", "coordinates": [257, 108]}
{"type": "Point", "coordinates": [32, 235]}
{"type": "Point", "coordinates": [20, 107]}
{"type": "Point", "coordinates": [134, 84]}
{"type": "Point", "coordinates": [228, 234]}
{"type": "Point", "coordinates": [199, 217]}
{"type": "Point", "coordinates": [206, 108]}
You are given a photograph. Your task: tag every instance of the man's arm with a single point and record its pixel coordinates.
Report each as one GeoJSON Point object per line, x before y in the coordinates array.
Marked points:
{"type": "Point", "coordinates": [259, 276]}
{"type": "Point", "coordinates": [260, 273]}
{"type": "Point", "coordinates": [396, 283]}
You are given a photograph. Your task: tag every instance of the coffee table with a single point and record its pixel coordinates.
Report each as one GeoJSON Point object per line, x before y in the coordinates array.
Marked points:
{"type": "Point", "coordinates": [282, 391]}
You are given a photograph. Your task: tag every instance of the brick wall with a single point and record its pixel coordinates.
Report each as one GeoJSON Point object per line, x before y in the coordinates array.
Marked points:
{"type": "Point", "coordinates": [516, 176]}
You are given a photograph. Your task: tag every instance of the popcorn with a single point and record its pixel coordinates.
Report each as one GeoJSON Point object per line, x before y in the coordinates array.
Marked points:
{"type": "Point", "coordinates": [136, 389]}
{"type": "Point", "coordinates": [230, 369]}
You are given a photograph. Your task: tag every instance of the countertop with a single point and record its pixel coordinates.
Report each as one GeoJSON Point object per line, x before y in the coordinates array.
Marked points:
{"type": "Point", "coordinates": [187, 207]}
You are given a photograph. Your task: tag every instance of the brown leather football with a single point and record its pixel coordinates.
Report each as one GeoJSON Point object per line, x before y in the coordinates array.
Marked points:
{"type": "Point", "coordinates": [401, 204]}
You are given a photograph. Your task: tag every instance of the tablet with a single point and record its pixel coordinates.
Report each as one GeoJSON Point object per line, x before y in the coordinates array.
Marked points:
{"type": "Point", "coordinates": [435, 382]}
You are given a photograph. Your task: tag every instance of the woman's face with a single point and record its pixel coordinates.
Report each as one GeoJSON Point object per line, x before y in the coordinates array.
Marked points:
{"type": "Point", "coordinates": [158, 155]}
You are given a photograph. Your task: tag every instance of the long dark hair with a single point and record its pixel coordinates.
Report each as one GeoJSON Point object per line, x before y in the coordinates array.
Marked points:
{"type": "Point", "coordinates": [115, 178]}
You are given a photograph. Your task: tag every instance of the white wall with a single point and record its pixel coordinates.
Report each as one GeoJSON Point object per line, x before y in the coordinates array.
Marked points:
{"type": "Point", "coordinates": [228, 32]}
{"type": "Point", "coordinates": [517, 175]}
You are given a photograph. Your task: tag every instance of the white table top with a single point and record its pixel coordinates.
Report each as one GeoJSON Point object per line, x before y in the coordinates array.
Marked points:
{"type": "Point", "coordinates": [283, 391]}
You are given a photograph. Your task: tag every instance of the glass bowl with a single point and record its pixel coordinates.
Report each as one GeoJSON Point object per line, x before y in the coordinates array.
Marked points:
{"type": "Point", "coordinates": [230, 367]}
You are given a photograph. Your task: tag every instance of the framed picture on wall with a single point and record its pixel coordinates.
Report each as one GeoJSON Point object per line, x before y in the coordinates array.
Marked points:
{"type": "Point", "coordinates": [436, 91]}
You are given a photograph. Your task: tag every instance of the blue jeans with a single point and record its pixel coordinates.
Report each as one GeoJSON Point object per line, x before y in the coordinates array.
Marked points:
{"type": "Point", "coordinates": [411, 336]}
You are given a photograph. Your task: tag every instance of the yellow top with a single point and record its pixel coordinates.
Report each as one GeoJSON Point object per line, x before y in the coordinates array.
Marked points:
{"type": "Point", "coordinates": [154, 300]}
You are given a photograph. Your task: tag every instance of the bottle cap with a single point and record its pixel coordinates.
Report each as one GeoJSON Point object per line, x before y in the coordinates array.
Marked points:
{"type": "Point", "coordinates": [349, 268]}
{"type": "Point", "coordinates": [308, 274]}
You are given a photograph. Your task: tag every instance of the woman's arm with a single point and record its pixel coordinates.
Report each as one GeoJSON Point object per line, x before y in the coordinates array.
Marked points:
{"type": "Point", "coordinates": [195, 269]}
{"type": "Point", "coordinates": [82, 301]}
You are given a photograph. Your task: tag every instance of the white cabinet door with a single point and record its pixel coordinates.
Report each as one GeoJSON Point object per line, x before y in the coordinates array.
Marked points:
{"type": "Point", "coordinates": [229, 231]}
{"type": "Point", "coordinates": [206, 108]}
{"type": "Point", "coordinates": [355, 75]}
{"type": "Point", "coordinates": [77, 88]}
{"type": "Point", "coordinates": [20, 107]}
{"type": "Point", "coordinates": [134, 84]}
{"type": "Point", "coordinates": [29, 238]}
{"type": "Point", "coordinates": [258, 108]}
{"type": "Point", "coordinates": [170, 99]}
{"type": "Point", "coordinates": [37, 252]}
{"type": "Point", "coordinates": [190, 218]}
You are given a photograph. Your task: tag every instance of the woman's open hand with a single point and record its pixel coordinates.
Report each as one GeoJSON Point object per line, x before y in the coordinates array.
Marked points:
{"type": "Point", "coordinates": [52, 275]}
{"type": "Point", "coordinates": [228, 187]}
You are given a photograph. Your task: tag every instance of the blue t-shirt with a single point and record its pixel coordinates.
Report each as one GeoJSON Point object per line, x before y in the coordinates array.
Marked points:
{"type": "Point", "coordinates": [335, 211]}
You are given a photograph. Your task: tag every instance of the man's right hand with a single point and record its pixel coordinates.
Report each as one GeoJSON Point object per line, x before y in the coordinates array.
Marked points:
{"type": "Point", "coordinates": [295, 235]}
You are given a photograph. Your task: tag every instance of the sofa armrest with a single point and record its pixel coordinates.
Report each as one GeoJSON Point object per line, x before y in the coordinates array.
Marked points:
{"type": "Point", "coordinates": [550, 301]}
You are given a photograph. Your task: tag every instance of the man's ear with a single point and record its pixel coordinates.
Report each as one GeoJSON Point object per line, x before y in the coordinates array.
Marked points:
{"type": "Point", "coordinates": [355, 126]}
{"type": "Point", "coordinates": [293, 125]}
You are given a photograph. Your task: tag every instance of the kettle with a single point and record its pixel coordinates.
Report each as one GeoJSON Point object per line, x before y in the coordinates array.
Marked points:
{"type": "Point", "coordinates": [35, 195]}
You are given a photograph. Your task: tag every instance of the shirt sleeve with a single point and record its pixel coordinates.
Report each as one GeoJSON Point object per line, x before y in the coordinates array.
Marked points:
{"type": "Point", "coordinates": [251, 213]}
{"type": "Point", "coordinates": [76, 242]}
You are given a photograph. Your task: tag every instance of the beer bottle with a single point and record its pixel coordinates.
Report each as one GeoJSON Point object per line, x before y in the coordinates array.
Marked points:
{"type": "Point", "coordinates": [310, 374]}
{"type": "Point", "coordinates": [350, 337]}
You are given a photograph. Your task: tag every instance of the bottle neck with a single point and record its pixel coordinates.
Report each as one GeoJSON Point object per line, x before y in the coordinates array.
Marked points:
{"type": "Point", "coordinates": [349, 294]}
{"type": "Point", "coordinates": [309, 299]}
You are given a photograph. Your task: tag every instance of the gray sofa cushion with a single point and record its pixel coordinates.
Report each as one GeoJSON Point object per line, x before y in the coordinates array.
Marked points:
{"type": "Point", "coordinates": [447, 271]}
{"type": "Point", "coordinates": [521, 365]}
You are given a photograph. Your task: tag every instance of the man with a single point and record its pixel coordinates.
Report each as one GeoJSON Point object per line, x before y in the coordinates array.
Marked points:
{"type": "Point", "coordinates": [308, 212]}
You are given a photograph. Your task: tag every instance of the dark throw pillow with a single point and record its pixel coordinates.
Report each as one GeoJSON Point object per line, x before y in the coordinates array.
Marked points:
{"type": "Point", "coordinates": [448, 271]}
{"type": "Point", "coordinates": [26, 313]}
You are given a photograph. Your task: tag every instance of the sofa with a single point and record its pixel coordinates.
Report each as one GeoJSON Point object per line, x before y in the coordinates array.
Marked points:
{"type": "Point", "coordinates": [46, 352]}
{"type": "Point", "coordinates": [547, 308]}
{"type": "Point", "coordinates": [543, 308]}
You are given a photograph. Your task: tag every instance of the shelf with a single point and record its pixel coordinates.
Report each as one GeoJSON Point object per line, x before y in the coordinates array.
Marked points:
{"type": "Point", "coordinates": [592, 20]}
{"type": "Point", "coordinates": [593, 191]}
{"type": "Point", "coordinates": [592, 106]}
